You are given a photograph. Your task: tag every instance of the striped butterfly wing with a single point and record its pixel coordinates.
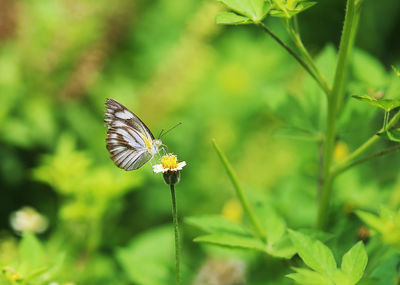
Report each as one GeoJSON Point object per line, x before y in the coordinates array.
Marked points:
{"type": "Point", "coordinates": [118, 115]}
{"type": "Point", "coordinates": [126, 137]}
{"type": "Point", "coordinates": [128, 150]}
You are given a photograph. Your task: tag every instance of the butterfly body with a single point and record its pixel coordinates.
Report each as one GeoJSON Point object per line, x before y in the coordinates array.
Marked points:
{"type": "Point", "coordinates": [129, 141]}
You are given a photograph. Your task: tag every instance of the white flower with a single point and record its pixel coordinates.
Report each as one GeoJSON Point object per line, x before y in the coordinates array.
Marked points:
{"type": "Point", "coordinates": [169, 162]}
{"type": "Point", "coordinates": [28, 219]}
{"type": "Point", "coordinates": [170, 168]}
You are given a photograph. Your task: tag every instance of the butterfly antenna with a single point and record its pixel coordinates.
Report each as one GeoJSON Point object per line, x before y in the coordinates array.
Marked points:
{"type": "Point", "coordinates": [161, 133]}
{"type": "Point", "coordinates": [164, 133]}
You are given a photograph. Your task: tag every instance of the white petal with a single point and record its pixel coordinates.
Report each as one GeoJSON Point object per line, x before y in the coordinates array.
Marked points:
{"type": "Point", "coordinates": [180, 165]}
{"type": "Point", "coordinates": [158, 168]}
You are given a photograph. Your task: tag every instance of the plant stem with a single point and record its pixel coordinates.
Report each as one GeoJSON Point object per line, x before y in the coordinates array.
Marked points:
{"type": "Point", "coordinates": [377, 154]}
{"type": "Point", "coordinates": [348, 162]}
{"type": "Point", "coordinates": [385, 119]}
{"type": "Point", "coordinates": [176, 229]}
{"type": "Point", "coordinates": [299, 59]}
{"type": "Point", "coordinates": [239, 191]}
{"type": "Point", "coordinates": [334, 101]}
{"type": "Point", "coordinates": [297, 39]}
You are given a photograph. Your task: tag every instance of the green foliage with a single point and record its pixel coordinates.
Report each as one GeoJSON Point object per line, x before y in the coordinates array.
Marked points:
{"type": "Point", "coordinates": [70, 172]}
{"type": "Point", "coordinates": [396, 71]}
{"type": "Point", "coordinates": [394, 135]}
{"type": "Point", "coordinates": [168, 62]}
{"type": "Point", "coordinates": [254, 10]}
{"type": "Point", "coordinates": [289, 8]}
{"type": "Point", "coordinates": [225, 233]}
{"type": "Point", "coordinates": [385, 104]}
{"type": "Point", "coordinates": [369, 70]}
{"type": "Point", "coordinates": [386, 224]}
{"type": "Point", "coordinates": [229, 18]}
{"type": "Point", "coordinates": [354, 262]}
{"type": "Point", "coordinates": [148, 259]}
{"type": "Point", "coordinates": [320, 259]}
{"type": "Point", "coordinates": [387, 273]}
{"type": "Point", "coordinates": [33, 265]}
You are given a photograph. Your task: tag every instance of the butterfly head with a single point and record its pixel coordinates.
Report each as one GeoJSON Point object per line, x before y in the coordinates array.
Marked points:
{"type": "Point", "coordinates": [154, 148]}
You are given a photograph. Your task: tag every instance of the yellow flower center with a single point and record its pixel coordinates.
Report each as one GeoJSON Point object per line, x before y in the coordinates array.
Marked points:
{"type": "Point", "coordinates": [169, 161]}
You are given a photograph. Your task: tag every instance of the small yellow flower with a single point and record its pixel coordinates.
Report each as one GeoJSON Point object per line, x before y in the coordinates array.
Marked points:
{"type": "Point", "coordinates": [169, 162]}
{"type": "Point", "coordinates": [10, 274]}
{"type": "Point", "coordinates": [16, 277]}
{"type": "Point", "coordinates": [233, 210]}
{"type": "Point", "coordinates": [170, 168]}
{"type": "Point", "coordinates": [340, 152]}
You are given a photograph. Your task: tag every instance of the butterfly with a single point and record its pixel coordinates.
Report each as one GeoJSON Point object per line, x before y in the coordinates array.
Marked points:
{"type": "Point", "coordinates": [129, 141]}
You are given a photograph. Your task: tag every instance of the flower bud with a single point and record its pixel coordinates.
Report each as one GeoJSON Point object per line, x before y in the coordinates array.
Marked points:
{"type": "Point", "coordinates": [172, 177]}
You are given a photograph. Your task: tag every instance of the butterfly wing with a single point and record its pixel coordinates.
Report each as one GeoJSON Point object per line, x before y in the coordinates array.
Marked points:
{"type": "Point", "coordinates": [127, 148]}
{"type": "Point", "coordinates": [118, 115]}
{"type": "Point", "coordinates": [126, 137]}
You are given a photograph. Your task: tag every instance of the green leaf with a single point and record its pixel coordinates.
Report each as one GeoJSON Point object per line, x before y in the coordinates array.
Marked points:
{"type": "Point", "coordinates": [342, 278]}
{"type": "Point", "coordinates": [275, 227]}
{"type": "Point", "coordinates": [309, 277]}
{"type": "Point", "coordinates": [229, 18]}
{"type": "Point", "coordinates": [148, 259]}
{"type": "Point", "coordinates": [354, 262]}
{"type": "Point", "coordinates": [31, 252]}
{"type": "Point", "coordinates": [371, 220]}
{"type": "Point", "coordinates": [393, 135]}
{"type": "Point", "coordinates": [385, 104]}
{"type": "Point", "coordinates": [232, 240]}
{"type": "Point", "coordinates": [314, 253]}
{"type": "Point", "coordinates": [387, 271]}
{"type": "Point", "coordinates": [288, 11]}
{"type": "Point", "coordinates": [215, 223]}
{"type": "Point", "coordinates": [368, 69]}
{"type": "Point", "coordinates": [256, 10]}
{"type": "Point", "coordinates": [396, 71]}
{"type": "Point", "coordinates": [283, 248]}
{"type": "Point", "coordinates": [297, 134]}
{"type": "Point", "coordinates": [386, 213]}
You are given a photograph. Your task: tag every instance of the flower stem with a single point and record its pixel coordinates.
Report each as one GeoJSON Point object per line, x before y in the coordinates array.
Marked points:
{"type": "Point", "coordinates": [334, 101]}
{"type": "Point", "coordinates": [385, 119]}
{"type": "Point", "coordinates": [176, 229]}
{"type": "Point", "coordinates": [349, 161]}
{"type": "Point", "coordinates": [317, 78]}
{"type": "Point", "coordinates": [364, 159]}
{"type": "Point", "coordinates": [239, 191]}
{"type": "Point", "coordinates": [294, 33]}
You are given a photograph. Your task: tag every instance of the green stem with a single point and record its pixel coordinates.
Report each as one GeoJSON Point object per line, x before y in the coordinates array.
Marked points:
{"type": "Point", "coordinates": [364, 159]}
{"type": "Point", "coordinates": [239, 191]}
{"type": "Point", "coordinates": [294, 33]}
{"type": "Point", "coordinates": [176, 229]}
{"type": "Point", "coordinates": [334, 102]}
{"type": "Point", "coordinates": [385, 119]}
{"type": "Point", "coordinates": [348, 162]}
{"type": "Point", "coordinates": [298, 58]}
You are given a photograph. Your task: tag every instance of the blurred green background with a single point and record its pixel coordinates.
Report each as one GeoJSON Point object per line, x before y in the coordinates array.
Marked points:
{"type": "Point", "coordinates": [169, 62]}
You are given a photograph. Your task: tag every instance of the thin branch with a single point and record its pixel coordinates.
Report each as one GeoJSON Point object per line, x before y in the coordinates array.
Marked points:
{"type": "Point", "coordinates": [366, 145]}
{"type": "Point", "coordinates": [176, 231]}
{"type": "Point", "coordinates": [362, 160]}
{"type": "Point", "coordinates": [298, 58]}
{"type": "Point", "coordinates": [295, 34]}
{"type": "Point", "coordinates": [240, 193]}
